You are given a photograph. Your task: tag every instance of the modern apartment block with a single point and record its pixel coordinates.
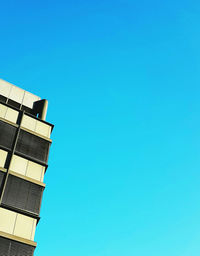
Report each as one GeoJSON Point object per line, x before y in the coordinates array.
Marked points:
{"type": "Point", "coordinates": [24, 148]}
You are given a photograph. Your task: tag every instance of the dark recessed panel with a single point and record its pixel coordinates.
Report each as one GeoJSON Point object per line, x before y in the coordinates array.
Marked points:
{"type": "Point", "coordinates": [13, 248]}
{"type": "Point", "coordinates": [7, 134]}
{"type": "Point", "coordinates": [2, 175]}
{"type": "Point", "coordinates": [13, 103]}
{"type": "Point", "coordinates": [3, 99]}
{"type": "Point", "coordinates": [33, 146]}
{"type": "Point", "coordinates": [28, 110]}
{"type": "Point", "coordinates": [23, 195]}
{"type": "Point", "coordinates": [4, 246]}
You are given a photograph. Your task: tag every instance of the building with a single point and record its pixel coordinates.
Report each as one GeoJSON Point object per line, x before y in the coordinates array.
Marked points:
{"type": "Point", "coordinates": [24, 148]}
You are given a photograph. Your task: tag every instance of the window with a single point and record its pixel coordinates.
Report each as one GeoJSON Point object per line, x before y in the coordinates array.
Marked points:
{"type": "Point", "coordinates": [7, 135]}
{"type": "Point", "coordinates": [3, 99]}
{"type": "Point", "coordinates": [23, 195]}
{"type": "Point", "coordinates": [33, 146]}
{"type": "Point", "coordinates": [1, 179]}
{"type": "Point", "coordinates": [13, 248]}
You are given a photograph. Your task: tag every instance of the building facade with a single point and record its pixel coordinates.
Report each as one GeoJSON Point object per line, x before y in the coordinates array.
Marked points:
{"type": "Point", "coordinates": [24, 149]}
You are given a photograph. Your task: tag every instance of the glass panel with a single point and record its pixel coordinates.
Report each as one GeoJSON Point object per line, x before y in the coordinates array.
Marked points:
{"type": "Point", "coordinates": [2, 98]}
{"type": "Point", "coordinates": [33, 146]}
{"type": "Point", "coordinates": [7, 134]}
{"type": "Point", "coordinates": [2, 174]}
{"type": "Point", "coordinates": [13, 248]}
{"type": "Point", "coordinates": [23, 194]}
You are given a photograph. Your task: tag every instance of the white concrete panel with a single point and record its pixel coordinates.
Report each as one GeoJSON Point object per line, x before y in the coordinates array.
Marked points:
{"type": "Point", "coordinates": [16, 94]}
{"type": "Point", "coordinates": [42, 175]}
{"type": "Point", "coordinates": [7, 220]}
{"type": "Point", "coordinates": [29, 99]}
{"type": "Point", "coordinates": [29, 122]}
{"type": "Point", "coordinates": [33, 229]}
{"type": "Point", "coordinates": [19, 165]}
{"type": "Point", "coordinates": [43, 129]}
{"type": "Point", "coordinates": [3, 110]}
{"type": "Point", "coordinates": [11, 115]}
{"type": "Point", "coordinates": [24, 227]}
{"type": "Point", "coordinates": [5, 88]}
{"type": "Point", "coordinates": [3, 156]}
{"type": "Point", "coordinates": [34, 170]}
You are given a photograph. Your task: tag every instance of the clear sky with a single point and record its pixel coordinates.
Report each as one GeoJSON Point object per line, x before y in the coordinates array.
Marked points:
{"type": "Point", "coordinates": [123, 83]}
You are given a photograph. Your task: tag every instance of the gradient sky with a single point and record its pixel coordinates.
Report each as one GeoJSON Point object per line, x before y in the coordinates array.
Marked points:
{"type": "Point", "coordinates": [123, 83]}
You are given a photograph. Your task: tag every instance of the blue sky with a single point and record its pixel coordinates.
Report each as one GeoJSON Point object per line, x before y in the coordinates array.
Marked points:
{"type": "Point", "coordinates": [122, 79]}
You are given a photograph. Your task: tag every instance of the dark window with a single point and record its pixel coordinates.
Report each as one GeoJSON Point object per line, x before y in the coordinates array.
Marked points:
{"type": "Point", "coordinates": [4, 248]}
{"type": "Point", "coordinates": [2, 174]}
{"type": "Point", "coordinates": [23, 195]}
{"type": "Point", "coordinates": [3, 99]}
{"type": "Point", "coordinates": [13, 104]}
{"type": "Point", "coordinates": [28, 110]}
{"type": "Point", "coordinates": [33, 146]}
{"type": "Point", "coordinates": [13, 248]}
{"type": "Point", "coordinates": [7, 134]}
